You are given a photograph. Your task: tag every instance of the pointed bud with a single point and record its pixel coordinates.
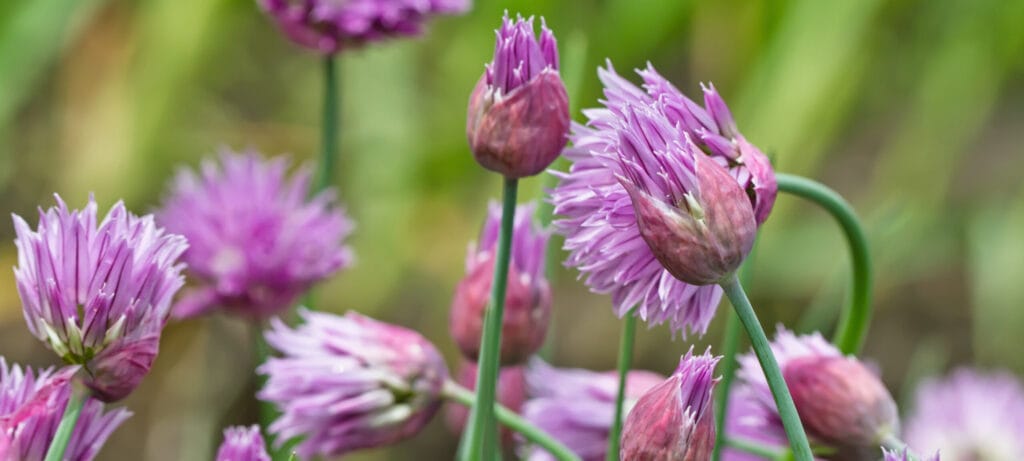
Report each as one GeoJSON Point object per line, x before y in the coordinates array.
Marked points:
{"type": "Point", "coordinates": [511, 394]}
{"type": "Point", "coordinates": [719, 111]}
{"type": "Point", "coordinates": [118, 371]}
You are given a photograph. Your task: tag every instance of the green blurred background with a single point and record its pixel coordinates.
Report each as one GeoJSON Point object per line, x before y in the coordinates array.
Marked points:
{"type": "Point", "coordinates": [912, 109]}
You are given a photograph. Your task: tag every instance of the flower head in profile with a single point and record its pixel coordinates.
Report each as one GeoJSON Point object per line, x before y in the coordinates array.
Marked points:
{"type": "Point", "coordinates": [577, 406]}
{"type": "Point", "coordinates": [511, 393]}
{"type": "Point", "coordinates": [527, 295]}
{"type": "Point", "coordinates": [518, 116]}
{"type": "Point", "coordinates": [350, 382]}
{"type": "Point", "coordinates": [31, 406]}
{"type": "Point", "coordinates": [652, 213]}
{"type": "Point", "coordinates": [330, 26]}
{"type": "Point", "coordinates": [242, 444]}
{"type": "Point", "coordinates": [98, 292]}
{"type": "Point", "coordinates": [256, 240]}
{"type": "Point", "coordinates": [969, 415]}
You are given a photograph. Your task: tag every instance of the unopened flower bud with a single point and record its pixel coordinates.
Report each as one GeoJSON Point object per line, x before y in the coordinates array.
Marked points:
{"type": "Point", "coordinates": [511, 394]}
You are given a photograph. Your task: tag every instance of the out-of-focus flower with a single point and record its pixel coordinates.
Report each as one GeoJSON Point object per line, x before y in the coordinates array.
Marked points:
{"type": "Point", "coordinates": [518, 116]}
{"type": "Point", "coordinates": [647, 143]}
{"type": "Point", "coordinates": [330, 26]}
{"type": "Point", "coordinates": [31, 406]}
{"type": "Point", "coordinates": [577, 406]}
{"type": "Point", "coordinates": [527, 295]}
{"type": "Point", "coordinates": [511, 394]}
{"type": "Point", "coordinates": [745, 420]}
{"type": "Point", "coordinates": [256, 241]}
{"type": "Point", "coordinates": [350, 382]}
{"type": "Point", "coordinates": [969, 416]}
{"type": "Point", "coordinates": [906, 455]}
{"type": "Point", "coordinates": [98, 292]}
{"type": "Point", "coordinates": [242, 444]}
{"type": "Point", "coordinates": [674, 420]}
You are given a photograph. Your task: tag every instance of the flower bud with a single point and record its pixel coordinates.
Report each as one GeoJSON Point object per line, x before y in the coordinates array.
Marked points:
{"type": "Point", "coordinates": [511, 394]}
{"type": "Point", "coordinates": [242, 444]}
{"type": "Point", "coordinates": [518, 115]}
{"type": "Point", "coordinates": [119, 371]}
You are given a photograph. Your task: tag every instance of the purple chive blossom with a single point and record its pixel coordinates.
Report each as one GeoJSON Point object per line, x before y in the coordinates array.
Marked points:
{"type": "Point", "coordinates": [907, 455]}
{"type": "Point", "coordinates": [242, 444]}
{"type": "Point", "coordinates": [527, 298]}
{"type": "Point", "coordinates": [969, 415]}
{"type": "Point", "coordinates": [577, 406]}
{"type": "Point", "coordinates": [256, 240]}
{"type": "Point", "coordinates": [330, 26]}
{"type": "Point", "coordinates": [98, 292]}
{"type": "Point", "coordinates": [745, 420]}
{"type": "Point", "coordinates": [31, 406]}
{"type": "Point", "coordinates": [350, 382]}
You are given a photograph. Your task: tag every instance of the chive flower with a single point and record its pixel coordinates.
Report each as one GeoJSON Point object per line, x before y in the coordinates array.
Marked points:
{"type": "Point", "coordinates": [242, 444]}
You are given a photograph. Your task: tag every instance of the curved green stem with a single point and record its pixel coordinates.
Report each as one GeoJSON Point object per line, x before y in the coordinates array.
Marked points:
{"type": "Point", "coordinates": [329, 129]}
{"type": "Point", "coordinates": [755, 448]}
{"type": "Point", "coordinates": [67, 422]}
{"type": "Point", "coordinates": [481, 431]}
{"type": "Point", "coordinates": [854, 320]}
{"type": "Point", "coordinates": [510, 419]}
{"type": "Point", "coordinates": [783, 400]}
{"type": "Point", "coordinates": [625, 362]}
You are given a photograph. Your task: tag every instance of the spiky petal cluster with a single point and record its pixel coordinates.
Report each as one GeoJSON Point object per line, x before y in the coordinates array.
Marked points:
{"type": "Point", "coordinates": [98, 292]}
{"type": "Point", "coordinates": [242, 444]}
{"type": "Point", "coordinates": [511, 394]}
{"type": "Point", "coordinates": [674, 420]}
{"type": "Point", "coordinates": [577, 406]}
{"type": "Point", "coordinates": [256, 241]}
{"type": "Point", "coordinates": [329, 26]}
{"type": "Point", "coordinates": [907, 455]}
{"type": "Point", "coordinates": [350, 382]}
{"type": "Point", "coordinates": [31, 406]}
{"type": "Point", "coordinates": [527, 296]}
{"type": "Point", "coordinates": [969, 415]}
{"type": "Point", "coordinates": [518, 115]}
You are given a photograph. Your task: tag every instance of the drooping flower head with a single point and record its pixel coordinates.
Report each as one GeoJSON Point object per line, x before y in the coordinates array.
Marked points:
{"type": "Point", "coordinates": [98, 292]}
{"type": "Point", "coordinates": [577, 407]}
{"type": "Point", "coordinates": [907, 455]}
{"type": "Point", "coordinates": [350, 382]}
{"type": "Point", "coordinates": [651, 213]}
{"type": "Point", "coordinates": [256, 240]}
{"type": "Point", "coordinates": [511, 393]}
{"type": "Point", "coordinates": [527, 296]}
{"type": "Point", "coordinates": [242, 444]}
{"type": "Point", "coordinates": [969, 415]}
{"type": "Point", "coordinates": [330, 26]}
{"type": "Point", "coordinates": [518, 116]}
{"type": "Point", "coordinates": [674, 420]}
{"type": "Point", "coordinates": [31, 406]}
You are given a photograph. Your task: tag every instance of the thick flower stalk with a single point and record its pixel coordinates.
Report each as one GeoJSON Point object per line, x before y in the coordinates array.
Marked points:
{"type": "Point", "coordinates": [330, 26]}
{"type": "Point", "coordinates": [577, 406]}
{"type": "Point", "coordinates": [675, 419]}
{"type": "Point", "coordinates": [257, 241]}
{"type": "Point", "coordinates": [345, 383]}
{"type": "Point", "coordinates": [518, 115]}
{"type": "Point", "coordinates": [31, 405]}
{"type": "Point", "coordinates": [511, 393]}
{"type": "Point", "coordinates": [662, 200]}
{"type": "Point", "coordinates": [242, 444]}
{"type": "Point", "coordinates": [527, 296]}
{"type": "Point", "coordinates": [969, 415]}
{"type": "Point", "coordinates": [98, 292]}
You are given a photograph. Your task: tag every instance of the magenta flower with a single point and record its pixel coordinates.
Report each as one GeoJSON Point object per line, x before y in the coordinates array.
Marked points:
{"type": "Point", "coordinates": [256, 240]}
{"type": "Point", "coordinates": [518, 115]}
{"type": "Point", "coordinates": [577, 406]}
{"type": "Point", "coordinates": [511, 393]}
{"type": "Point", "coordinates": [97, 292]}
{"type": "Point", "coordinates": [527, 296]}
{"type": "Point", "coordinates": [969, 415]}
{"type": "Point", "coordinates": [350, 382]}
{"type": "Point", "coordinates": [31, 406]}
{"type": "Point", "coordinates": [242, 444]}
{"type": "Point", "coordinates": [330, 26]}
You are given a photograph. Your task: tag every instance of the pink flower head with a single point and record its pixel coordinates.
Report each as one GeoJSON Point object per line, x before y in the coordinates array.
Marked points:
{"type": "Point", "coordinates": [242, 444]}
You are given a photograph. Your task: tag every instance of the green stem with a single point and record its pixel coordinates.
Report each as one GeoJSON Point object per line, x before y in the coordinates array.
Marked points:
{"type": "Point", "coordinates": [329, 130]}
{"type": "Point", "coordinates": [755, 448]}
{"type": "Point", "coordinates": [481, 432]}
{"type": "Point", "coordinates": [625, 362]}
{"type": "Point", "coordinates": [67, 422]}
{"type": "Point", "coordinates": [510, 419]}
{"type": "Point", "coordinates": [854, 320]}
{"type": "Point", "coordinates": [763, 351]}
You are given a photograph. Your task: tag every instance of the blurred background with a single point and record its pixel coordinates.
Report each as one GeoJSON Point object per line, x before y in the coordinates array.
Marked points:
{"type": "Point", "coordinates": [912, 109]}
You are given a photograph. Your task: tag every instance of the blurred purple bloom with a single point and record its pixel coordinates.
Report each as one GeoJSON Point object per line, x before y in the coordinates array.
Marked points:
{"type": "Point", "coordinates": [350, 382]}
{"type": "Point", "coordinates": [256, 240]}
{"type": "Point", "coordinates": [98, 293]}
{"type": "Point", "coordinates": [744, 420]}
{"type": "Point", "coordinates": [907, 455]}
{"type": "Point", "coordinates": [527, 296]}
{"type": "Point", "coordinates": [242, 444]}
{"type": "Point", "coordinates": [577, 406]}
{"type": "Point", "coordinates": [31, 406]}
{"type": "Point", "coordinates": [329, 26]}
{"type": "Point", "coordinates": [969, 415]}
{"type": "Point", "coordinates": [511, 394]}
